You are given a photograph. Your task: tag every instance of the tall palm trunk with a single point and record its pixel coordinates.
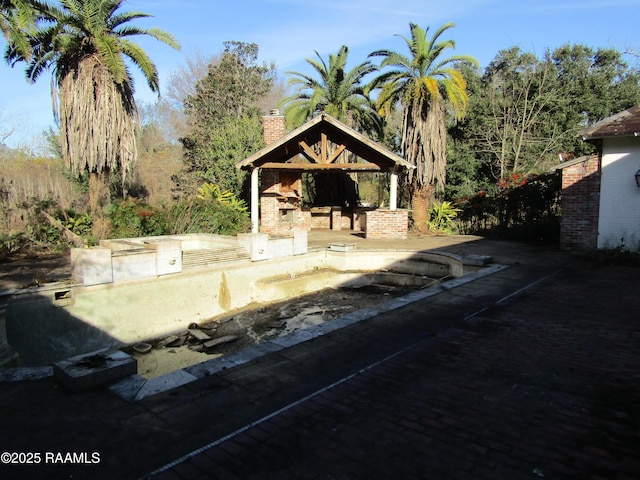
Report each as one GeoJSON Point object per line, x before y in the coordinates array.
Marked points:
{"type": "Point", "coordinates": [420, 199]}
{"type": "Point", "coordinates": [99, 198]}
{"type": "Point", "coordinates": [97, 124]}
{"type": "Point", "coordinates": [98, 120]}
{"type": "Point", "coordinates": [424, 145]}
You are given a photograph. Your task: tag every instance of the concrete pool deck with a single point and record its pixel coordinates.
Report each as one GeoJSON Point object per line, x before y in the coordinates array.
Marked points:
{"type": "Point", "coordinates": [532, 372]}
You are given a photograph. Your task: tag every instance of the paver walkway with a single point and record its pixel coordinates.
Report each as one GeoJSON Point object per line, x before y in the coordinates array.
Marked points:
{"type": "Point", "coordinates": [543, 384]}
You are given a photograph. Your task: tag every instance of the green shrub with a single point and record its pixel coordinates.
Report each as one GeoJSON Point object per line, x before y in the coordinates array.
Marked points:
{"type": "Point", "coordinates": [209, 192]}
{"type": "Point", "coordinates": [42, 233]}
{"type": "Point", "coordinates": [200, 215]}
{"type": "Point", "coordinates": [78, 223]}
{"type": "Point", "coordinates": [133, 218]}
{"type": "Point", "coordinates": [442, 218]}
{"type": "Point", "coordinates": [522, 208]}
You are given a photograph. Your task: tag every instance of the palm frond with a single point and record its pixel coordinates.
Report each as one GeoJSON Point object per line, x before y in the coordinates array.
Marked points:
{"type": "Point", "coordinates": [109, 50]}
{"type": "Point", "coordinates": [334, 89]}
{"type": "Point", "coordinates": [86, 44]}
{"type": "Point", "coordinates": [162, 36]}
{"type": "Point", "coordinates": [141, 60]}
{"type": "Point", "coordinates": [114, 21]}
{"type": "Point", "coordinates": [421, 81]}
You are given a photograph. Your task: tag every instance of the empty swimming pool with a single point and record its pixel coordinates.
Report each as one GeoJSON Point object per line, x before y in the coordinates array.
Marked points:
{"type": "Point", "coordinates": [56, 322]}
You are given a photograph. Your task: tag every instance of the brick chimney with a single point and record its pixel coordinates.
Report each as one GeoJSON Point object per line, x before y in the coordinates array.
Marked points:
{"type": "Point", "coordinates": [273, 126]}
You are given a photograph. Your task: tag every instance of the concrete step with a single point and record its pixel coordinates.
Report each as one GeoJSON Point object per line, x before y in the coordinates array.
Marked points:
{"type": "Point", "coordinates": [211, 256]}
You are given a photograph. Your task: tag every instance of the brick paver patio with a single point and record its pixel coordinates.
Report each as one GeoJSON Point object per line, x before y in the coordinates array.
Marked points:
{"type": "Point", "coordinates": [547, 386]}
{"type": "Point", "coordinates": [474, 383]}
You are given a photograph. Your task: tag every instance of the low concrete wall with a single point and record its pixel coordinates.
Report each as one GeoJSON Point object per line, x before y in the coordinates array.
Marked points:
{"type": "Point", "coordinates": [122, 260]}
{"type": "Point", "coordinates": [56, 323]}
{"type": "Point", "coordinates": [261, 247]}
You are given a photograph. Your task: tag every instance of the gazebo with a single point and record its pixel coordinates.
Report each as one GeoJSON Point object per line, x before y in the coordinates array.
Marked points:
{"type": "Point", "coordinates": [320, 145]}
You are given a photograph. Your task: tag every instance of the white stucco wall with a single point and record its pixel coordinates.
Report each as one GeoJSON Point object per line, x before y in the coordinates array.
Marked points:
{"type": "Point", "coordinates": [619, 220]}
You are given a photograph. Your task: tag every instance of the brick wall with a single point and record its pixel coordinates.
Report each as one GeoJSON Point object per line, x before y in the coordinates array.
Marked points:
{"type": "Point", "coordinates": [280, 210]}
{"type": "Point", "coordinates": [386, 224]}
{"type": "Point", "coordinates": [580, 204]}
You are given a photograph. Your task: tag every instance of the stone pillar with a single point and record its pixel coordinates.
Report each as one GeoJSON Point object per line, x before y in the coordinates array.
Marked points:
{"type": "Point", "coordinates": [257, 244]}
{"type": "Point", "coordinates": [92, 266]}
{"type": "Point", "coordinates": [336, 218]}
{"type": "Point", "coordinates": [300, 242]}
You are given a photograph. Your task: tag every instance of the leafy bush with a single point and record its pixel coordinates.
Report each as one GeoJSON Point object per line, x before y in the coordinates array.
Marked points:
{"type": "Point", "coordinates": [44, 227]}
{"type": "Point", "coordinates": [133, 218]}
{"type": "Point", "coordinates": [442, 218]}
{"type": "Point", "coordinates": [210, 192]}
{"type": "Point", "coordinates": [523, 208]}
{"type": "Point", "coordinates": [197, 215]}
{"type": "Point", "coordinates": [78, 223]}
{"type": "Point", "coordinates": [212, 211]}
{"type": "Point", "coordinates": [41, 231]}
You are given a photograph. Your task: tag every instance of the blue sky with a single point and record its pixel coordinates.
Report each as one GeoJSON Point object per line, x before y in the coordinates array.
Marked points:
{"type": "Point", "coordinates": [289, 31]}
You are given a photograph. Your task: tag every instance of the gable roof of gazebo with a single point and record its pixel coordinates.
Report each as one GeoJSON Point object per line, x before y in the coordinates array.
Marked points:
{"type": "Point", "coordinates": [294, 151]}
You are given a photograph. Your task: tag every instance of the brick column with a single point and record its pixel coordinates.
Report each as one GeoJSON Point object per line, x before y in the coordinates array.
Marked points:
{"type": "Point", "coordinates": [273, 127]}
{"type": "Point", "coordinates": [386, 224]}
{"type": "Point", "coordinates": [580, 204]}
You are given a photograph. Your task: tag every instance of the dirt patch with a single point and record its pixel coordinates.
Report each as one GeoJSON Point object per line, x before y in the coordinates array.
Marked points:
{"type": "Point", "coordinates": [33, 271]}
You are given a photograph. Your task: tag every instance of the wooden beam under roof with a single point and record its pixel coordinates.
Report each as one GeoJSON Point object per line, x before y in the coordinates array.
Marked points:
{"type": "Point", "coordinates": [347, 167]}
{"type": "Point", "coordinates": [308, 152]}
{"type": "Point", "coordinates": [337, 133]}
{"type": "Point", "coordinates": [323, 148]}
{"type": "Point", "coordinates": [336, 153]}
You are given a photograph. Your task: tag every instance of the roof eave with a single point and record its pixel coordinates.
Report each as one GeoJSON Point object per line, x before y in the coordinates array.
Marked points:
{"type": "Point", "coordinates": [251, 159]}
{"type": "Point", "coordinates": [572, 162]}
{"type": "Point", "coordinates": [588, 138]}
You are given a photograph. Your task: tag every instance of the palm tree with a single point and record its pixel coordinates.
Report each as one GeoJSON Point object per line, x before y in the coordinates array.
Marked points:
{"type": "Point", "coordinates": [86, 43]}
{"type": "Point", "coordinates": [423, 83]}
{"type": "Point", "coordinates": [338, 92]}
{"type": "Point", "coordinates": [17, 17]}
{"type": "Point", "coordinates": [341, 94]}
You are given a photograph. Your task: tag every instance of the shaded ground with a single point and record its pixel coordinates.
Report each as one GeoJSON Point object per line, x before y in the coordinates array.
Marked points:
{"type": "Point", "coordinates": [545, 386]}
{"type": "Point", "coordinates": [32, 271]}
